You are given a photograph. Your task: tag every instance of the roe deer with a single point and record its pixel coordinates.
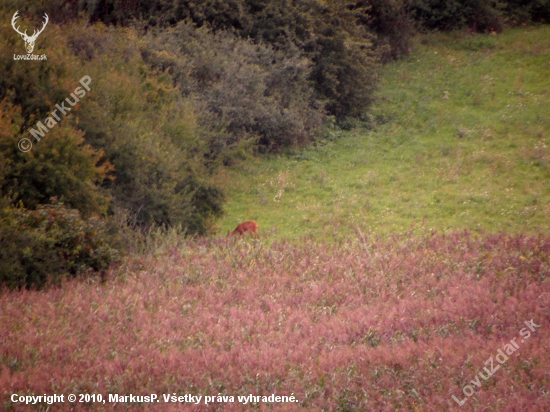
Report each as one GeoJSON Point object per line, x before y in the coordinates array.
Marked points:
{"type": "Point", "coordinates": [249, 226]}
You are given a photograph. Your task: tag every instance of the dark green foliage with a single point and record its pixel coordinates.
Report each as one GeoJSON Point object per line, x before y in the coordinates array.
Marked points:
{"type": "Point", "coordinates": [522, 11]}
{"type": "Point", "coordinates": [393, 24]}
{"type": "Point", "coordinates": [328, 35]}
{"type": "Point", "coordinates": [281, 23]}
{"type": "Point", "coordinates": [203, 201]}
{"type": "Point", "coordinates": [268, 16]}
{"type": "Point", "coordinates": [478, 15]}
{"type": "Point", "coordinates": [344, 71]}
{"type": "Point", "coordinates": [247, 94]}
{"type": "Point", "coordinates": [344, 61]}
{"type": "Point", "coordinates": [46, 245]}
{"type": "Point", "coordinates": [125, 146]}
{"type": "Point", "coordinates": [341, 50]}
{"type": "Point", "coordinates": [61, 165]}
{"type": "Point", "coordinates": [218, 14]}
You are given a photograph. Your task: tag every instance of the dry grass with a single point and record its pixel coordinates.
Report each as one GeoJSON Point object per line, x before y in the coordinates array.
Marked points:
{"type": "Point", "coordinates": [367, 324]}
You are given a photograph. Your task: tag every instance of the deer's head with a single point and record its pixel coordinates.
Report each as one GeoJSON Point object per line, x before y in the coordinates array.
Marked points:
{"type": "Point", "coordinates": [29, 40]}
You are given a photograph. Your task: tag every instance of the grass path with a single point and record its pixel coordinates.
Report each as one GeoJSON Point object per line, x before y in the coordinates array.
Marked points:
{"type": "Point", "coordinates": [459, 138]}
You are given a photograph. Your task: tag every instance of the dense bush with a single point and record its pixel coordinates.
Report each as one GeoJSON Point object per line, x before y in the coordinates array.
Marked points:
{"type": "Point", "coordinates": [61, 165]}
{"type": "Point", "coordinates": [283, 21]}
{"type": "Point", "coordinates": [127, 144]}
{"type": "Point", "coordinates": [46, 245]}
{"type": "Point", "coordinates": [522, 11]}
{"type": "Point", "coordinates": [344, 61]}
{"type": "Point", "coordinates": [393, 24]}
{"type": "Point", "coordinates": [247, 94]}
{"type": "Point", "coordinates": [479, 15]}
{"type": "Point", "coordinates": [327, 34]}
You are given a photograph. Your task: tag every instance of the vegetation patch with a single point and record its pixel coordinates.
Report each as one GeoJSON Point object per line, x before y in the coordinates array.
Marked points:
{"type": "Point", "coordinates": [457, 139]}
{"type": "Point", "coordinates": [368, 324]}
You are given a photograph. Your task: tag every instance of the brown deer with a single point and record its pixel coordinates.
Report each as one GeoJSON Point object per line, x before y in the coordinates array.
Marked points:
{"type": "Point", "coordinates": [249, 226]}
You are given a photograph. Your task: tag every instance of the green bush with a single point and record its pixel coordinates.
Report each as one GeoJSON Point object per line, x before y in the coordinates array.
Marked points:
{"type": "Point", "coordinates": [126, 145]}
{"type": "Point", "coordinates": [246, 94]}
{"type": "Point", "coordinates": [342, 51]}
{"type": "Point", "coordinates": [478, 15]}
{"type": "Point", "coordinates": [393, 24]}
{"type": "Point", "coordinates": [60, 165]}
{"type": "Point", "coordinates": [345, 64]}
{"type": "Point", "coordinates": [46, 245]}
{"type": "Point", "coordinates": [202, 202]}
{"type": "Point", "coordinates": [523, 11]}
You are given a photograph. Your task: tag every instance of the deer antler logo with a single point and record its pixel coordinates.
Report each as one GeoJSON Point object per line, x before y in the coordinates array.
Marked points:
{"type": "Point", "coordinates": [29, 40]}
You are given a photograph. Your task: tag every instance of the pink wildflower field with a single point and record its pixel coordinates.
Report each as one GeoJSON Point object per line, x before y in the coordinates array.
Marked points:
{"type": "Point", "coordinates": [400, 323]}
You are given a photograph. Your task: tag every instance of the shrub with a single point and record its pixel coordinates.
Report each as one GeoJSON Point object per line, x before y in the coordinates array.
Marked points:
{"type": "Point", "coordinates": [337, 53]}
{"type": "Point", "coordinates": [46, 245]}
{"type": "Point", "coordinates": [247, 94]}
{"type": "Point", "coordinates": [522, 11]}
{"type": "Point", "coordinates": [479, 15]}
{"type": "Point", "coordinates": [202, 202]}
{"type": "Point", "coordinates": [145, 128]}
{"type": "Point", "coordinates": [344, 62]}
{"type": "Point", "coordinates": [61, 165]}
{"type": "Point", "coordinates": [393, 24]}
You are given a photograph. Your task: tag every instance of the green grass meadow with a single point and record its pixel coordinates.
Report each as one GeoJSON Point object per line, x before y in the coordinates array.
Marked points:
{"type": "Point", "coordinates": [457, 139]}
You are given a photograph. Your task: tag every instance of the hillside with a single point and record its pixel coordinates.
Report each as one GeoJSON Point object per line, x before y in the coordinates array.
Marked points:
{"type": "Point", "coordinates": [401, 265]}
{"type": "Point", "coordinates": [458, 140]}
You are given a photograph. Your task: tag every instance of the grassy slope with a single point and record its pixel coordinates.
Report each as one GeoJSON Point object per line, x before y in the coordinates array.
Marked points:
{"type": "Point", "coordinates": [413, 170]}
{"type": "Point", "coordinates": [366, 324]}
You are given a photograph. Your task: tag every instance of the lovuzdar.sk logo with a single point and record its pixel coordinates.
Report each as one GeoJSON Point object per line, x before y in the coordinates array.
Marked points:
{"type": "Point", "coordinates": [29, 40]}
